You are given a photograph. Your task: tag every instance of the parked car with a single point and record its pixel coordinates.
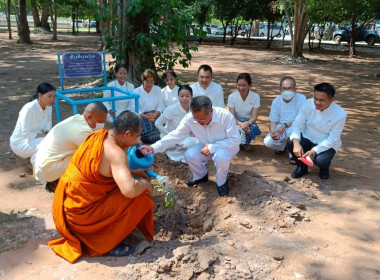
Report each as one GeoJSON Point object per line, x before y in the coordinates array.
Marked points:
{"type": "Point", "coordinates": [210, 28]}
{"type": "Point", "coordinates": [217, 31]}
{"type": "Point", "coordinates": [370, 34]}
{"type": "Point", "coordinates": [275, 30]}
{"type": "Point", "coordinates": [240, 31]}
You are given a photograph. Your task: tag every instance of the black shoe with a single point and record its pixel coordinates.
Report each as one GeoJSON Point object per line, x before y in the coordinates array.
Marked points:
{"type": "Point", "coordinates": [223, 189]}
{"type": "Point", "coordinates": [324, 174]}
{"type": "Point", "coordinates": [299, 172]}
{"type": "Point", "coordinates": [192, 182]}
{"type": "Point", "coordinates": [51, 186]}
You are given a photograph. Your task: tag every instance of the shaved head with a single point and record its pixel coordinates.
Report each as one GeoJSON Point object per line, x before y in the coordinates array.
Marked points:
{"type": "Point", "coordinates": [95, 108]}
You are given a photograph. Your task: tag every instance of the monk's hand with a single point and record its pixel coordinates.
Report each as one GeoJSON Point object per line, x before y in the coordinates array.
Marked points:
{"type": "Point", "coordinates": [297, 148]}
{"type": "Point", "coordinates": [310, 153]}
{"type": "Point", "coordinates": [140, 173]}
{"type": "Point", "coordinates": [205, 150]}
{"type": "Point", "coordinates": [145, 150]}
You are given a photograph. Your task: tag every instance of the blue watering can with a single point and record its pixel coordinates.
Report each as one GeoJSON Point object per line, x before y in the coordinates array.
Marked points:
{"type": "Point", "coordinates": [137, 160]}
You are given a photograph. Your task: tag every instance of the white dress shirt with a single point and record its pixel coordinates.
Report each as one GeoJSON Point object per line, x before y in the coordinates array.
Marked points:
{"type": "Point", "coordinates": [243, 108]}
{"type": "Point", "coordinates": [59, 145]}
{"type": "Point", "coordinates": [214, 91]}
{"type": "Point", "coordinates": [170, 95]}
{"type": "Point", "coordinates": [151, 101]}
{"type": "Point", "coordinates": [283, 112]}
{"type": "Point", "coordinates": [320, 127]}
{"type": "Point", "coordinates": [32, 120]}
{"type": "Point", "coordinates": [120, 105]}
{"type": "Point", "coordinates": [221, 133]}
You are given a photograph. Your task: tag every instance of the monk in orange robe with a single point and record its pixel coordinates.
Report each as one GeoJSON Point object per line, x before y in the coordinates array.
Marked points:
{"type": "Point", "coordinates": [98, 203]}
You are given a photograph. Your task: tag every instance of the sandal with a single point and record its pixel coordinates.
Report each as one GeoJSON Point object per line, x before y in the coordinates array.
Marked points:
{"type": "Point", "coordinates": [121, 250]}
{"type": "Point", "coordinates": [279, 152]}
{"type": "Point", "coordinates": [292, 161]}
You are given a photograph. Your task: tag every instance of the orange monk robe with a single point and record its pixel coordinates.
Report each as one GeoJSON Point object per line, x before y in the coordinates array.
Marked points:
{"type": "Point", "coordinates": [89, 210]}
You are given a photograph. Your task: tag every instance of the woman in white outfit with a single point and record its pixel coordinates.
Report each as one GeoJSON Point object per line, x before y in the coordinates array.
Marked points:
{"type": "Point", "coordinates": [33, 123]}
{"type": "Point", "coordinates": [120, 82]}
{"type": "Point", "coordinates": [170, 119]}
{"type": "Point", "coordinates": [170, 92]}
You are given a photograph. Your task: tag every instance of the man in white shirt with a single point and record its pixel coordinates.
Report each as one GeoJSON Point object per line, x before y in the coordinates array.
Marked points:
{"type": "Point", "coordinates": [284, 110]}
{"type": "Point", "coordinates": [205, 86]}
{"type": "Point", "coordinates": [316, 131]}
{"type": "Point", "coordinates": [218, 137]}
{"type": "Point", "coordinates": [55, 151]}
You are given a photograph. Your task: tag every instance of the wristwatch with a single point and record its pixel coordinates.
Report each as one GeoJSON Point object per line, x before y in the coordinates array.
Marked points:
{"type": "Point", "coordinates": [286, 125]}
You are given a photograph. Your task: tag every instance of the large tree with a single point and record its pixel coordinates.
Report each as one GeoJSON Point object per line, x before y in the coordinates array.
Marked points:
{"type": "Point", "coordinates": [23, 26]}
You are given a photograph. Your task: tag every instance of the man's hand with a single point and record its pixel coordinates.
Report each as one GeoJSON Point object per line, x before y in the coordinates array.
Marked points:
{"type": "Point", "coordinates": [145, 150]}
{"type": "Point", "coordinates": [275, 135]}
{"type": "Point", "coordinates": [205, 151]}
{"type": "Point", "coordinates": [297, 148]}
{"type": "Point", "coordinates": [111, 112]}
{"type": "Point", "coordinates": [310, 153]}
{"type": "Point", "coordinates": [281, 129]}
{"type": "Point", "coordinates": [147, 184]}
{"type": "Point", "coordinates": [140, 173]}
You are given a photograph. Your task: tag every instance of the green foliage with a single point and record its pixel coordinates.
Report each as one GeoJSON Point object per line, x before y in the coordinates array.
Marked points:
{"type": "Point", "coordinates": [167, 190]}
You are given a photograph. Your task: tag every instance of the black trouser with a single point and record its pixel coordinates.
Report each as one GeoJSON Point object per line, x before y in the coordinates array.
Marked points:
{"type": "Point", "coordinates": [322, 160]}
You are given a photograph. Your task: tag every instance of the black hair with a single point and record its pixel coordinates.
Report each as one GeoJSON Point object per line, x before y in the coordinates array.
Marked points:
{"type": "Point", "coordinates": [171, 73]}
{"type": "Point", "coordinates": [120, 65]}
{"type": "Point", "coordinates": [205, 68]}
{"type": "Point", "coordinates": [288, 78]}
{"type": "Point", "coordinates": [246, 77]}
{"type": "Point", "coordinates": [185, 87]}
{"type": "Point", "coordinates": [43, 88]}
{"type": "Point", "coordinates": [325, 87]}
{"type": "Point", "coordinates": [128, 120]}
{"type": "Point", "coordinates": [201, 102]}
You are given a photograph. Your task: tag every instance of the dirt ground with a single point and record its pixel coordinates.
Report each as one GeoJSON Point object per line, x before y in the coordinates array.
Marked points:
{"type": "Point", "coordinates": [269, 227]}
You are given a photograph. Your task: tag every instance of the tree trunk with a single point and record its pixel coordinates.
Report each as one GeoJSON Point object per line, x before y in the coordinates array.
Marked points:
{"type": "Point", "coordinates": [137, 63]}
{"type": "Point", "coordinates": [54, 21]}
{"type": "Point", "coordinates": [354, 31]}
{"type": "Point", "coordinates": [9, 19]}
{"type": "Point", "coordinates": [23, 23]}
{"type": "Point", "coordinates": [45, 16]}
{"type": "Point", "coordinates": [301, 28]}
{"type": "Point", "coordinates": [74, 19]}
{"type": "Point", "coordinates": [101, 27]}
{"type": "Point", "coordinates": [36, 15]}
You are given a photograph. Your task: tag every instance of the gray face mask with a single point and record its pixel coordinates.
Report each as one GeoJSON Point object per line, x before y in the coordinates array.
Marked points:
{"type": "Point", "coordinates": [287, 94]}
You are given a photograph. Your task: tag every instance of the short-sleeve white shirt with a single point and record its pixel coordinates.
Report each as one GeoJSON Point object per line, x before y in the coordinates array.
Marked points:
{"type": "Point", "coordinates": [214, 91]}
{"type": "Point", "coordinates": [283, 112]}
{"type": "Point", "coordinates": [170, 95]}
{"type": "Point", "coordinates": [120, 105]}
{"type": "Point", "coordinates": [243, 108]}
{"type": "Point", "coordinates": [151, 101]}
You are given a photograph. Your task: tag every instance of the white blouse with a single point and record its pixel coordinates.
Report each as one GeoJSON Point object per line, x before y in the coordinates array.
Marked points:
{"type": "Point", "coordinates": [151, 101]}
{"type": "Point", "coordinates": [170, 95]}
{"type": "Point", "coordinates": [120, 105]}
{"type": "Point", "coordinates": [243, 109]}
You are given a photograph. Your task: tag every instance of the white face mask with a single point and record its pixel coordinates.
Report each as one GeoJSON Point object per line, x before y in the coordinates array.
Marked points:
{"type": "Point", "coordinates": [98, 126]}
{"type": "Point", "coordinates": [287, 94]}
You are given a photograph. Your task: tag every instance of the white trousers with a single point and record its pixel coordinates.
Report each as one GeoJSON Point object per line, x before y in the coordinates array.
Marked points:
{"type": "Point", "coordinates": [196, 162]}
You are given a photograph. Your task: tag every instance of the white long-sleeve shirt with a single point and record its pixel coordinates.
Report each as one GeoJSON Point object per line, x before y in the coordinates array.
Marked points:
{"type": "Point", "coordinates": [170, 118]}
{"type": "Point", "coordinates": [221, 133]}
{"type": "Point", "coordinates": [170, 95]}
{"type": "Point", "coordinates": [151, 101]}
{"type": "Point", "coordinates": [283, 112]}
{"type": "Point", "coordinates": [214, 91]}
{"type": "Point", "coordinates": [120, 105]}
{"type": "Point", "coordinates": [320, 127]}
{"type": "Point", "coordinates": [32, 120]}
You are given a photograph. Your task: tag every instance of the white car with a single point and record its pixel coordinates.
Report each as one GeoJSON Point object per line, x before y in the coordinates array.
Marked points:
{"type": "Point", "coordinates": [275, 30]}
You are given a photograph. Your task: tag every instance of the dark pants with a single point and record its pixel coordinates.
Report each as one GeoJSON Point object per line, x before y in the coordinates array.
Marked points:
{"type": "Point", "coordinates": [322, 160]}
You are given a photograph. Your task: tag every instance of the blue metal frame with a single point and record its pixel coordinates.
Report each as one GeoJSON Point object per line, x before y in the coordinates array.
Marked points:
{"type": "Point", "coordinates": [62, 93]}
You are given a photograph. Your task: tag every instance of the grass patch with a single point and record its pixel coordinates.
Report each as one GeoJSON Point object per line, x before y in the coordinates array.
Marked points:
{"type": "Point", "coordinates": [18, 186]}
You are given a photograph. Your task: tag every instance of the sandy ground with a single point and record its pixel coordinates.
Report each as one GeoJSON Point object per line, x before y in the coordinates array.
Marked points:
{"type": "Point", "coordinates": [270, 226]}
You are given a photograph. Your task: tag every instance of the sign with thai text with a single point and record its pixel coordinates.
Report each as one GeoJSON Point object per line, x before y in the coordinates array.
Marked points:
{"type": "Point", "coordinates": [82, 64]}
